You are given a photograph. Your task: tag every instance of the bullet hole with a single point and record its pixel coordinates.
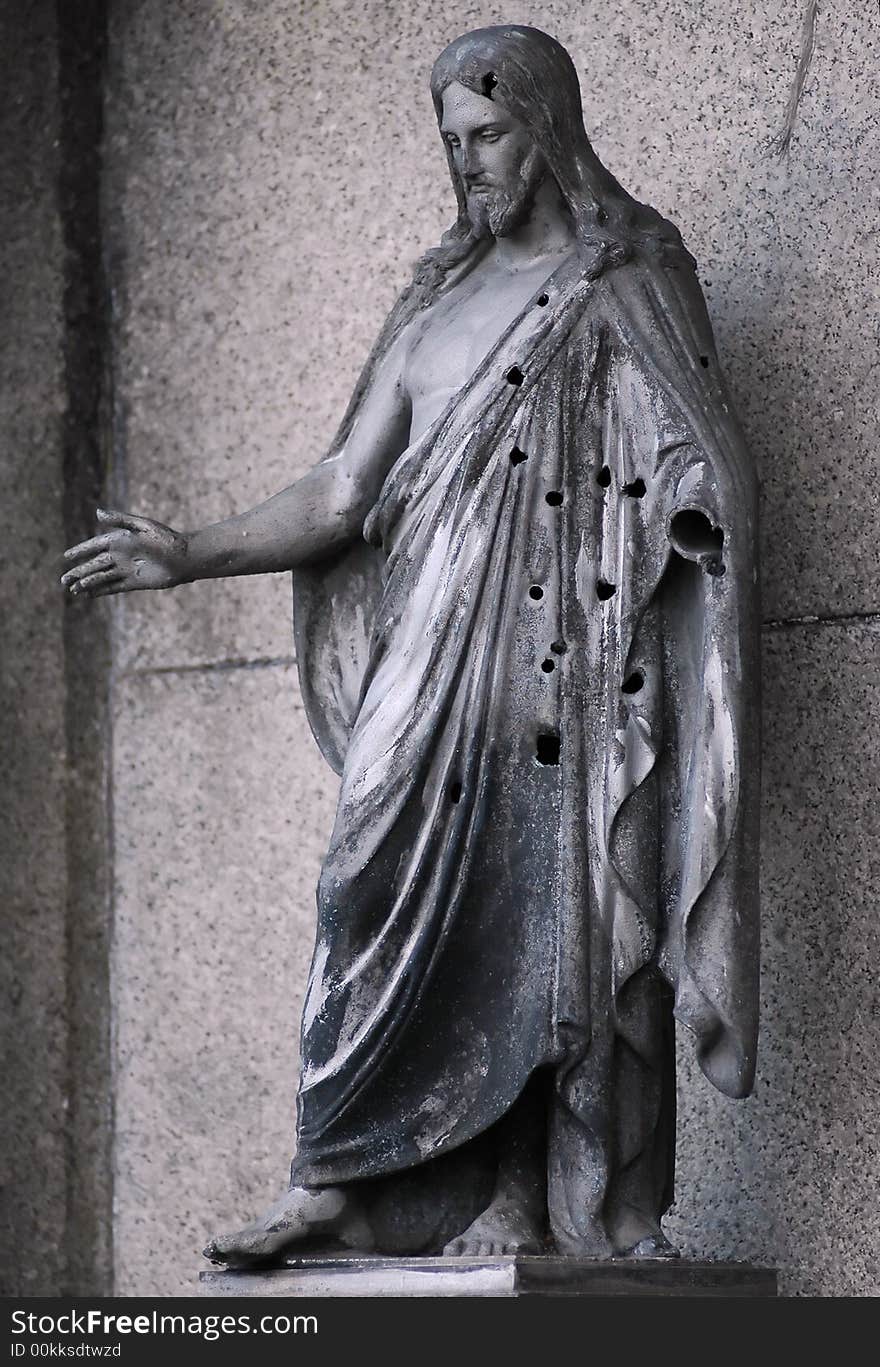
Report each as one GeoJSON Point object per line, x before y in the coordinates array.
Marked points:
{"type": "Point", "coordinates": [559, 647]}
{"type": "Point", "coordinates": [543, 300]}
{"type": "Point", "coordinates": [714, 565]}
{"type": "Point", "coordinates": [605, 590]}
{"type": "Point", "coordinates": [490, 80]}
{"type": "Point", "coordinates": [704, 362]}
{"type": "Point", "coordinates": [603, 479]}
{"type": "Point", "coordinates": [636, 489]}
{"type": "Point", "coordinates": [633, 683]}
{"type": "Point", "coordinates": [547, 748]}
{"type": "Point", "coordinates": [694, 535]}
{"type": "Point", "coordinates": [455, 792]}
{"type": "Point", "coordinates": [548, 666]}
{"type": "Point", "coordinates": [517, 456]}
{"type": "Point", "coordinates": [514, 375]}
{"type": "Point", "coordinates": [554, 498]}
{"type": "Point", "coordinates": [536, 592]}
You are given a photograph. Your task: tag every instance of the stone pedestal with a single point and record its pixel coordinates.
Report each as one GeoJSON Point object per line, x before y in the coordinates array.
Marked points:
{"type": "Point", "coordinates": [510, 1276]}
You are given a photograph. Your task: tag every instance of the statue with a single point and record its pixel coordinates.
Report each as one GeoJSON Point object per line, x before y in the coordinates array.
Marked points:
{"type": "Point", "coordinates": [526, 616]}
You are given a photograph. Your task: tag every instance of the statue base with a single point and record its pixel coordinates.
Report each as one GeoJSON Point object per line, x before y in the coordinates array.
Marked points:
{"type": "Point", "coordinates": [347, 1275]}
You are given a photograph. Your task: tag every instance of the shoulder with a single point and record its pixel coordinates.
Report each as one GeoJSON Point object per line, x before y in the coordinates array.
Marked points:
{"type": "Point", "coordinates": [657, 295]}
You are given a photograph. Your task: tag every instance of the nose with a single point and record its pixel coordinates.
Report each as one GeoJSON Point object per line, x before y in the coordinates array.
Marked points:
{"type": "Point", "coordinates": [473, 170]}
{"type": "Point", "coordinates": [471, 164]}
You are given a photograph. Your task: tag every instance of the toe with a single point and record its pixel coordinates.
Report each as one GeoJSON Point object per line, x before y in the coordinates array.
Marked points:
{"type": "Point", "coordinates": [215, 1252]}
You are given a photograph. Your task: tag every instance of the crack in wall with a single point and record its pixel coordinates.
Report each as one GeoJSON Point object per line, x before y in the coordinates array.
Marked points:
{"type": "Point", "coordinates": [212, 666]}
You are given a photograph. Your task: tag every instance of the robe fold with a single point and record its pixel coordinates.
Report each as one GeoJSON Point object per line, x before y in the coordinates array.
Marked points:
{"type": "Point", "coordinates": [537, 676]}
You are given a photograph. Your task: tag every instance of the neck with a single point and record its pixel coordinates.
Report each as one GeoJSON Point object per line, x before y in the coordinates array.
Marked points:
{"type": "Point", "coordinates": [546, 232]}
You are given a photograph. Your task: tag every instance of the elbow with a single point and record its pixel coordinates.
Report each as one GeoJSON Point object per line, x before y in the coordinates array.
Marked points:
{"type": "Point", "coordinates": [350, 500]}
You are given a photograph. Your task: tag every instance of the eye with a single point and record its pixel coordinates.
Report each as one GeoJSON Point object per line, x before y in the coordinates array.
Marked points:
{"type": "Point", "coordinates": [453, 141]}
{"type": "Point", "coordinates": [490, 135]}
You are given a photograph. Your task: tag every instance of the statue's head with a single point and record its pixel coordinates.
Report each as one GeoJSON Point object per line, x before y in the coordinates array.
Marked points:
{"type": "Point", "coordinates": [494, 159]}
{"type": "Point", "coordinates": [509, 107]}
{"type": "Point", "coordinates": [508, 104]}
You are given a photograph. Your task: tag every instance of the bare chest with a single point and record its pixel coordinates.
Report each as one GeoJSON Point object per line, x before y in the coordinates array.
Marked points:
{"type": "Point", "coordinates": [455, 335]}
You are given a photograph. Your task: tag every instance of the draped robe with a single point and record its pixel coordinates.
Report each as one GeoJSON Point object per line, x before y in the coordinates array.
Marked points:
{"type": "Point", "coordinates": [545, 715]}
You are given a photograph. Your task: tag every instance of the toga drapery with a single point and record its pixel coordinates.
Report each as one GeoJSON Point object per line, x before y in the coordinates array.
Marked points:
{"type": "Point", "coordinates": [537, 678]}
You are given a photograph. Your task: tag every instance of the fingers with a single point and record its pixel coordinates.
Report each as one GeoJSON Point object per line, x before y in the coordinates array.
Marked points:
{"type": "Point", "coordinates": [95, 585]}
{"type": "Point", "coordinates": [117, 526]}
{"type": "Point", "coordinates": [111, 518]}
{"type": "Point", "coordinates": [74, 577]}
{"type": "Point", "coordinates": [104, 542]}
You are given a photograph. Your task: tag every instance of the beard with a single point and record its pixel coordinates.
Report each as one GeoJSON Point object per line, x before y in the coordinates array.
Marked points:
{"type": "Point", "coordinates": [500, 211]}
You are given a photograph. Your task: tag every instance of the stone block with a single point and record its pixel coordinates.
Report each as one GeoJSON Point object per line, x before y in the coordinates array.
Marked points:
{"type": "Point", "coordinates": [790, 1176]}
{"type": "Point", "coordinates": [494, 1277]}
{"type": "Point", "coordinates": [222, 813]}
{"type": "Point", "coordinates": [260, 225]}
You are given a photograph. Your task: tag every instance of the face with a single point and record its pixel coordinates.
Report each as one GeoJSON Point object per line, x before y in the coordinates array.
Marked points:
{"type": "Point", "coordinates": [499, 164]}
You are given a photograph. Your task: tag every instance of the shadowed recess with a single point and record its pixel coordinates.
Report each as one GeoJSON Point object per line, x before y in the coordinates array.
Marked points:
{"type": "Point", "coordinates": [547, 748]}
{"type": "Point", "coordinates": [634, 682]}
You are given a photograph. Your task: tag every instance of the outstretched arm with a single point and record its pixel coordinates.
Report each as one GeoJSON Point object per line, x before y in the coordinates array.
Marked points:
{"type": "Point", "coordinates": [318, 513]}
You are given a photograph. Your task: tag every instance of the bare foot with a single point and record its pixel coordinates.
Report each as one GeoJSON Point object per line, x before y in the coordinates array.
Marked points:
{"type": "Point", "coordinates": [301, 1213]}
{"type": "Point", "coordinates": [654, 1246]}
{"type": "Point", "coordinates": [506, 1226]}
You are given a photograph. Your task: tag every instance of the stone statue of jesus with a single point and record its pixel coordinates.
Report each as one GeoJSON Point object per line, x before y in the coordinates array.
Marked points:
{"type": "Point", "coordinates": [526, 620]}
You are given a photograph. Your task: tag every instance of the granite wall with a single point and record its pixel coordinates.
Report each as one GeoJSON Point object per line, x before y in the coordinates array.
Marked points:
{"type": "Point", "coordinates": [270, 173]}
{"type": "Point", "coordinates": [56, 1116]}
{"type": "Point", "coordinates": [32, 750]}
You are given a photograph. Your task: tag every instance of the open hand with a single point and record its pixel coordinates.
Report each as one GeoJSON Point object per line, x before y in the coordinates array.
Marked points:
{"type": "Point", "coordinates": [129, 553]}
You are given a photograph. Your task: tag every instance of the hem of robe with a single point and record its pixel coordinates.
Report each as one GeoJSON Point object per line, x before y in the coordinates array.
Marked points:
{"type": "Point", "coordinates": [375, 1158]}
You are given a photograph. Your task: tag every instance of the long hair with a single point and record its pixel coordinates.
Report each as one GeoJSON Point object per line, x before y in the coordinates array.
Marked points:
{"type": "Point", "coordinates": [534, 78]}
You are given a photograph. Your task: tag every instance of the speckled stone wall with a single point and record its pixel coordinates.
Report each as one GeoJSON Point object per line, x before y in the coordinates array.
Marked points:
{"type": "Point", "coordinates": [32, 741]}
{"type": "Point", "coordinates": [56, 1115]}
{"type": "Point", "coordinates": [271, 172]}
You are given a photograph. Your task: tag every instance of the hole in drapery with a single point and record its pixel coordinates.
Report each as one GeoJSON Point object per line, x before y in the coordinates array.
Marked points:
{"type": "Point", "coordinates": [536, 592]}
{"type": "Point", "coordinates": [693, 534]}
{"type": "Point", "coordinates": [603, 478]}
{"type": "Point", "coordinates": [547, 748]}
{"type": "Point", "coordinates": [554, 498]}
{"type": "Point", "coordinates": [604, 589]}
{"type": "Point", "coordinates": [634, 682]}
{"type": "Point", "coordinates": [455, 791]}
{"type": "Point", "coordinates": [548, 666]}
{"type": "Point", "coordinates": [514, 375]}
{"type": "Point", "coordinates": [517, 456]}
{"type": "Point", "coordinates": [635, 489]}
